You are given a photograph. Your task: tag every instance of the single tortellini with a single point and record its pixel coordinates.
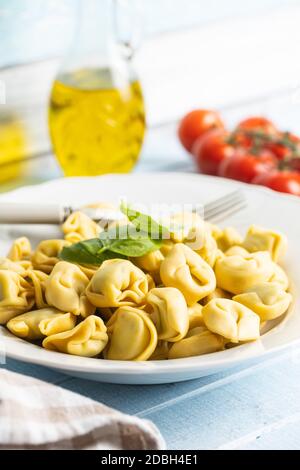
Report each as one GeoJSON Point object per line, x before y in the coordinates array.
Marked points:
{"type": "Point", "coordinates": [279, 276]}
{"type": "Point", "coordinates": [199, 340]}
{"type": "Point", "coordinates": [169, 313]}
{"type": "Point", "coordinates": [16, 295]}
{"type": "Point", "coordinates": [209, 249]}
{"type": "Point", "coordinates": [218, 293]}
{"type": "Point", "coordinates": [237, 274]}
{"type": "Point", "coordinates": [161, 351]}
{"type": "Point", "coordinates": [89, 271]}
{"type": "Point", "coordinates": [187, 271]}
{"type": "Point", "coordinates": [87, 339]}
{"type": "Point", "coordinates": [79, 226]}
{"type": "Point", "coordinates": [20, 250]}
{"type": "Point", "coordinates": [38, 279]}
{"type": "Point", "coordinates": [40, 323]}
{"type": "Point", "coordinates": [133, 336]}
{"type": "Point", "coordinates": [231, 320]}
{"type": "Point", "coordinates": [150, 262]}
{"type": "Point", "coordinates": [65, 289]}
{"type": "Point", "coordinates": [260, 239]}
{"type": "Point", "coordinates": [182, 226]}
{"type": "Point", "coordinates": [166, 247]}
{"type": "Point", "coordinates": [236, 250]}
{"type": "Point", "coordinates": [229, 237]}
{"type": "Point", "coordinates": [214, 230]}
{"type": "Point", "coordinates": [46, 254]}
{"type": "Point", "coordinates": [268, 300]}
{"type": "Point", "coordinates": [117, 283]}
{"type": "Point", "coordinates": [20, 267]}
{"type": "Point", "coordinates": [195, 316]}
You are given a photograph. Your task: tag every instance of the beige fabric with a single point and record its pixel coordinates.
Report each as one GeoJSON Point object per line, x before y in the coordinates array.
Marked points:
{"type": "Point", "coordinates": [37, 415]}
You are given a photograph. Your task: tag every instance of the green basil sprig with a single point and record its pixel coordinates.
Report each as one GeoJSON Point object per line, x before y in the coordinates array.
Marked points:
{"type": "Point", "coordinates": [88, 253]}
{"type": "Point", "coordinates": [95, 251]}
{"type": "Point", "coordinates": [145, 223]}
{"type": "Point", "coordinates": [141, 237]}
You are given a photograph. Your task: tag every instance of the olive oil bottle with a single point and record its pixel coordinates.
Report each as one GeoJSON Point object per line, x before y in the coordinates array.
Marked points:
{"type": "Point", "coordinates": [96, 107]}
{"type": "Point", "coordinates": [96, 128]}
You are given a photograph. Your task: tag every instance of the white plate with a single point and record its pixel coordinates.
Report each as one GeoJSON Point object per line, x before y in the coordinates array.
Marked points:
{"type": "Point", "coordinates": [265, 207]}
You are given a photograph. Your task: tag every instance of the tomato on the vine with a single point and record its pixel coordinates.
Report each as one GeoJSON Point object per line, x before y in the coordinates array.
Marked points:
{"type": "Point", "coordinates": [211, 149]}
{"type": "Point", "coordinates": [287, 145]}
{"type": "Point", "coordinates": [195, 124]}
{"type": "Point", "coordinates": [259, 124]}
{"type": "Point", "coordinates": [244, 166]}
{"type": "Point", "coordinates": [283, 181]}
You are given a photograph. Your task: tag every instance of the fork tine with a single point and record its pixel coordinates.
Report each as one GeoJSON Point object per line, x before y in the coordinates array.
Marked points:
{"type": "Point", "coordinates": [218, 217]}
{"type": "Point", "coordinates": [225, 206]}
{"type": "Point", "coordinates": [237, 194]}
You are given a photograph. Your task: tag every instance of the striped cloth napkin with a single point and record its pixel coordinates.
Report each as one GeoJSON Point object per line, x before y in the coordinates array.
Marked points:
{"type": "Point", "coordinates": [37, 415]}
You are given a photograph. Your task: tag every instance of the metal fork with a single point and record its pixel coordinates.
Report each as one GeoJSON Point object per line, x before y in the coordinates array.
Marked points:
{"type": "Point", "coordinates": [224, 206]}
{"type": "Point", "coordinates": [35, 213]}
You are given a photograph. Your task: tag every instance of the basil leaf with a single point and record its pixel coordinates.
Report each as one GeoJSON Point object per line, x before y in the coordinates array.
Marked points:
{"type": "Point", "coordinates": [128, 243]}
{"type": "Point", "coordinates": [87, 252]}
{"type": "Point", "coordinates": [133, 247]}
{"type": "Point", "coordinates": [145, 223]}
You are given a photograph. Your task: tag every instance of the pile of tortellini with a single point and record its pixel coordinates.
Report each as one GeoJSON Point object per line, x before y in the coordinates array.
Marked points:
{"type": "Point", "coordinates": [171, 303]}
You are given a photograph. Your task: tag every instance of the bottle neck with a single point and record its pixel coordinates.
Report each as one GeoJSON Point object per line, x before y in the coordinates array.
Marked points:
{"type": "Point", "coordinates": [95, 25]}
{"type": "Point", "coordinates": [95, 50]}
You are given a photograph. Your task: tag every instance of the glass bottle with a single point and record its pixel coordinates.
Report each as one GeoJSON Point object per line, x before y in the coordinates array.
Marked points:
{"type": "Point", "coordinates": [96, 111]}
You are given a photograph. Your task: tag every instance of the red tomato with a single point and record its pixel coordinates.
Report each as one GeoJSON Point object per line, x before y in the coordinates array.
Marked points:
{"type": "Point", "coordinates": [281, 150]}
{"type": "Point", "coordinates": [257, 123]}
{"type": "Point", "coordinates": [245, 166]}
{"type": "Point", "coordinates": [211, 149]}
{"type": "Point", "coordinates": [283, 181]}
{"type": "Point", "coordinates": [195, 124]}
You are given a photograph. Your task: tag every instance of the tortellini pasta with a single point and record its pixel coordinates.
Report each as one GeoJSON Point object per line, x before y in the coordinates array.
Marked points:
{"type": "Point", "coordinates": [195, 316]}
{"type": "Point", "coordinates": [218, 293]}
{"type": "Point", "coordinates": [20, 250]}
{"type": "Point", "coordinates": [46, 254]}
{"type": "Point", "coordinates": [202, 290]}
{"type": "Point", "coordinates": [38, 280]}
{"type": "Point", "coordinates": [183, 226]}
{"type": "Point", "coordinates": [87, 339]}
{"type": "Point", "coordinates": [79, 226]}
{"type": "Point", "coordinates": [19, 267]}
{"type": "Point", "coordinates": [133, 336]}
{"type": "Point", "coordinates": [267, 299]}
{"type": "Point", "coordinates": [198, 341]}
{"type": "Point", "coordinates": [236, 250]}
{"type": "Point", "coordinates": [16, 295]}
{"type": "Point", "coordinates": [279, 276]}
{"type": "Point", "coordinates": [40, 323]}
{"type": "Point", "coordinates": [150, 262]}
{"type": "Point", "coordinates": [161, 351]}
{"type": "Point", "coordinates": [117, 282]}
{"type": "Point", "coordinates": [237, 274]}
{"type": "Point", "coordinates": [260, 239]}
{"type": "Point", "coordinates": [228, 238]}
{"type": "Point", "coordinates": [231, 320]}
{"type": "Point", "coordinates": [187, 271]}
{"type": "Point", "coordinates": [169, 313]}
{"type": "Point", "coordinates": [66, 289]}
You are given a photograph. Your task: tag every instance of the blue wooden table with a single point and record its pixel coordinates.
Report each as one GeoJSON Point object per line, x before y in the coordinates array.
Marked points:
{"type": "Point", "coordinates": [257, 407]}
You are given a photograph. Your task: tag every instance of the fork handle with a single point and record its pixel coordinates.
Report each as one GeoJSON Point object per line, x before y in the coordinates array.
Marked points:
{"type": "Point", "coordinates": [32, 213]}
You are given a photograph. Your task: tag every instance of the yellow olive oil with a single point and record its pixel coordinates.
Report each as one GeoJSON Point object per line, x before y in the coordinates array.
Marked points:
{"type": "Point", "coordinates": [96, 123]}
{"type": "Point", "coordinates": [13, 148]}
